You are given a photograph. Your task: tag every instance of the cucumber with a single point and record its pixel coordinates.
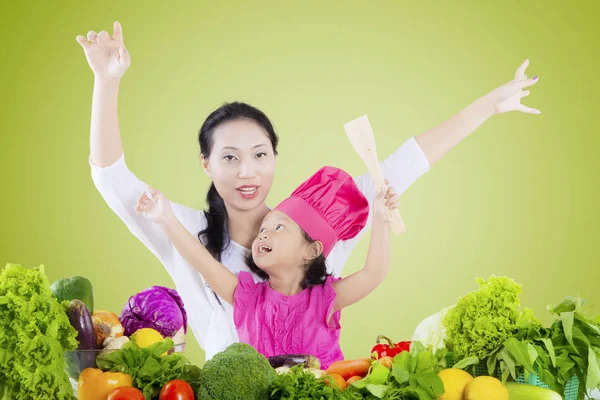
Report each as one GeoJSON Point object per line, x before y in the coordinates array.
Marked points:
{"type": "Point", "coordinates": [81, 320]}
{"type": "Point", "coordinates": [524, 391]}
{"type": "Point", "coordinates": [289, 360]}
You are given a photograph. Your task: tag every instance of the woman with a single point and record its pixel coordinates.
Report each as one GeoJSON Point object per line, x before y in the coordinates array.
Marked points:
{"type": "Point", "coordinates": [238, 152]}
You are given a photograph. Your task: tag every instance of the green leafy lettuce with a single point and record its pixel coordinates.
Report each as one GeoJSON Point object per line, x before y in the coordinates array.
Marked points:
{"type": "Point", "coordinates": [34, 333]}
{"type": "Point", "coordinates": [483, 320]}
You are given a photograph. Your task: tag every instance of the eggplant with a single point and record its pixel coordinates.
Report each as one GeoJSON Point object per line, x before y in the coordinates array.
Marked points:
{"type": "Point", "coordinates": [81, 320]}
{"type": "Point", "coordinates": [289, 360]}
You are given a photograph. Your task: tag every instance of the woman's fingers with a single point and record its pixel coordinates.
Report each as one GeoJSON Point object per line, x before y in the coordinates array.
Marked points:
{"type": "Point", "coordinates": [83, 42]}
{"type": "Point", "coordinates": [92, 36]}
{"type": "Point", "coordinates": [520, 73]}
{"type": "Point", "coordinates": [524, 94]}
{"type": "Point", "coordinates": [103, 37]}
{"type": "Point", "coordinates": [528, 110]}
{"type": "Point", "coordinates": [527, 82]}
{"type": "Point", "coordinates": [118, 32]}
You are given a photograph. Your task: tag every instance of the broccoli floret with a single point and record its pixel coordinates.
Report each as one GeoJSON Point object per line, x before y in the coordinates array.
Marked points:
{"type": "Point", "coordinates": [239, 372]}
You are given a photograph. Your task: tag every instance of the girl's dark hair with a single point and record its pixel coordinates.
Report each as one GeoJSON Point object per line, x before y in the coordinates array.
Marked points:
{"type": "Point", "coordinates": [216, 235]}
{"type": "Point", "coordinates": [315, 274]}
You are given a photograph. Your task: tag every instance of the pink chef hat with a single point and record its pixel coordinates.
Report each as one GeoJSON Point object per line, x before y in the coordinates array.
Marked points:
{"type": "Point", "coordinates": [328, 206]}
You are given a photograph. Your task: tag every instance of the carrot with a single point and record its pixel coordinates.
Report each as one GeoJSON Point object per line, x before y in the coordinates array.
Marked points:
{"type": "Point", "coordinates": [349, 368]}
{"type": "Point", "coordinates": [337, 380]}
{"type": "Point", "coordinates": [353, 379]}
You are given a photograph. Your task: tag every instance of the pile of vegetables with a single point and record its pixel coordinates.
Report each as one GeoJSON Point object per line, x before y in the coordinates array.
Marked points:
{"type": "Point", "coordinates": [487, 329]}
{"type": "Point", "coordinates": [145, 367]}
{"type": "Point", "coordinates": [34, 334]}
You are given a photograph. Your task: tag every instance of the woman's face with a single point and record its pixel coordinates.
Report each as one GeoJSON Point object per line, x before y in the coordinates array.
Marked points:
{"type": "Point", "coordinates": [241, 164]}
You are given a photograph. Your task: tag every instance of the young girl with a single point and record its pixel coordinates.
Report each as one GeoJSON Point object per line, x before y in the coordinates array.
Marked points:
{"type": "Point", "coordinates": [297, 309]}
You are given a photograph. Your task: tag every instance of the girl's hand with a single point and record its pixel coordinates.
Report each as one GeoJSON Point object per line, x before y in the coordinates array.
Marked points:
{"type": "Point", "coordinates": [157, 208]}
{"type": "Point", "coordinates": [386, 199]}
{"type": "Point", "coordinates": [508, 96]}
{"type": "Point", "coordinates": [106, 55]}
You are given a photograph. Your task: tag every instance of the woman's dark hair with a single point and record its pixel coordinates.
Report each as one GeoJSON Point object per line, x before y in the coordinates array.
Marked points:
{"type": "Point", "coordinates": [315, 273]}
{"type": "Point", "coordinates": [216, 235]}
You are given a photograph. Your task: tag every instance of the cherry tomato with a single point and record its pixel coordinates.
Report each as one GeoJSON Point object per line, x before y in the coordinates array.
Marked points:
{"type": "Point", "coordinates": [177, 389]}
{"type": "Point", "coordinates": [125, 393]}
{"type": "Point", "coordinates": [386, 361]}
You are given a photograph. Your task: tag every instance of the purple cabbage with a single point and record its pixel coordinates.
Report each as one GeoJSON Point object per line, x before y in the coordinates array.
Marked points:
{"type": "Point", "coordinates": [157, 307]}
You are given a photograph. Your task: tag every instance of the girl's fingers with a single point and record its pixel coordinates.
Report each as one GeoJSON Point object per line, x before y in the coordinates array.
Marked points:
{"type": "Point", "coordinates": [83, 42]}
{"type": "Point", "coordinates": [92, 36]}
{"type": "Point", "coordinates": [393, 202]}
{"type": "Point", "coordinates": [390, 192]}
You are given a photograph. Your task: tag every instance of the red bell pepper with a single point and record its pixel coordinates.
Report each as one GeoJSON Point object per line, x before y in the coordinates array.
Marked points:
{"type": "Point", "coordinates": [389, 349]}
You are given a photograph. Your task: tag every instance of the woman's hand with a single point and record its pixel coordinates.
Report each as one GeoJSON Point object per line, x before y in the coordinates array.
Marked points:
{"type": "Point", "coordinates": [157, 208]}
{"type": "Point", "coordinates": [106, 55]}
{"type": "Point", "coordinates": [508, 96]}
{"type": "Point", "coordinates": [386, 199]}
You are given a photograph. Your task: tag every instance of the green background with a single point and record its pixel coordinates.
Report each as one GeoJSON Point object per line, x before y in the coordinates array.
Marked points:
{"type": "Point", "coordinates": [517, 198]}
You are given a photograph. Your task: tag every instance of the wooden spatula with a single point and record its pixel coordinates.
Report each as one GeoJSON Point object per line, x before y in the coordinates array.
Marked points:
{"type": "Point", "coordinates": [361, 136]}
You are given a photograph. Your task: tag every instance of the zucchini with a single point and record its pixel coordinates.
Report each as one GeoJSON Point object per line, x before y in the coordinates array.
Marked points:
{"type": "Point", "coordinates": [524, 391]}
{"type": "Point", "coordinates": [289, 360]}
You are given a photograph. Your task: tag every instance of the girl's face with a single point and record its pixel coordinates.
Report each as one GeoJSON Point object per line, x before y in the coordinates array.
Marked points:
{"type": "Point", "coordinates": [241, 164]}
{"type": "Point", "coordinates": [280, 243]}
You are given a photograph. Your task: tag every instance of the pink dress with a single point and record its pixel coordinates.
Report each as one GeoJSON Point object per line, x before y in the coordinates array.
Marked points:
{"type": "Point", "coordinates": [276, 324]}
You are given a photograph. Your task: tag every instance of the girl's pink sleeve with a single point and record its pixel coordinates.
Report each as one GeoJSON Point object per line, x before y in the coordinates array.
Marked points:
{"type": "Point", "coordinates": [244, 296]}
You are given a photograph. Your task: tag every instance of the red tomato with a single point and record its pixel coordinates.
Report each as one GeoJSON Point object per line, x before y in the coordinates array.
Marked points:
{"type": "Point", "coordinates": [125, 393]}
{"type": "Point", "coordinates": [177, 389]}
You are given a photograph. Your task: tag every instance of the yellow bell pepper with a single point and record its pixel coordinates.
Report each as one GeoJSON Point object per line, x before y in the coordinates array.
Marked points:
{"type": "Point", "coordinates": [94, 384]}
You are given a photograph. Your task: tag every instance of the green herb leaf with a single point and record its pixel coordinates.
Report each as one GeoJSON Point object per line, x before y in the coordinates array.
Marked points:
{"type": "Point", "coordinates": [492, 362]}
{"type": "Point", "coordinates": [465, 362]}
{"type": "Point", "coordinates": [520, 352]}
{"type": "Point", "coordinates": [509, 361]}
{"type": "Point", "coordinates": [550, 349]}
{"type": "Point", "coordinates": [402, 367]}
{"type": "Point", "coordinates": [378, 391]}
{"type": "Point", "coordinates": [426, 361]}
{"type": "Point", "coordinates": [593, 371]}
{"type": "Point", "coordinates": [431, 383]}
{"type": "Point", "coordinates": [567, 323]}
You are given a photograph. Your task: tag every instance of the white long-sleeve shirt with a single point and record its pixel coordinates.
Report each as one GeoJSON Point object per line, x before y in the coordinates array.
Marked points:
{"type": "Point", "coordinates": [211, 321]}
